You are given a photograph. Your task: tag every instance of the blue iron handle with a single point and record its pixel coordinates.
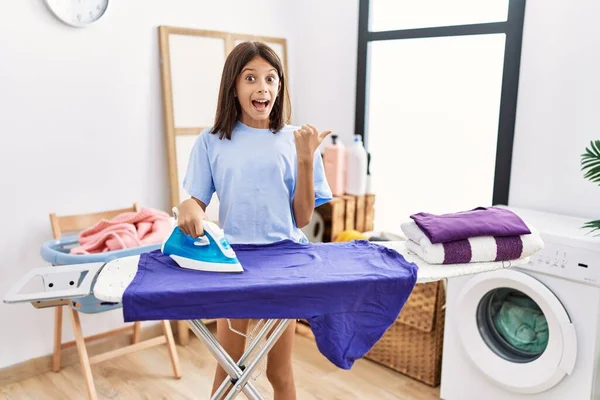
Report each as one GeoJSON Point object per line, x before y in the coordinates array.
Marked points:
{"type": "Point", "coordinates": [56, 252]}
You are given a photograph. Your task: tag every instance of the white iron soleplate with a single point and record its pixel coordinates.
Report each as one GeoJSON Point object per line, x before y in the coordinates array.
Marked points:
{"type": "Point", "coordinates": [188, 263]}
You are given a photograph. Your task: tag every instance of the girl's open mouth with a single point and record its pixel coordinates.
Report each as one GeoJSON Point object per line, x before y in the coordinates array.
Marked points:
{"type": "Point", "coordinates": [260, 105]}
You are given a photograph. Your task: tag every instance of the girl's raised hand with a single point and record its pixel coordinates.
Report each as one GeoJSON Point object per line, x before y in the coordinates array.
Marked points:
{"type": "Point", "coordinates": [308, 140]}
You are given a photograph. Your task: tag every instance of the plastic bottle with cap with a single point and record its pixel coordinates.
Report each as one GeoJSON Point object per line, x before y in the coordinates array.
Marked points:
{"type": "Point", "coordinates": [356, 168]}
{"type": "Point", "coordinates": [334, 162]}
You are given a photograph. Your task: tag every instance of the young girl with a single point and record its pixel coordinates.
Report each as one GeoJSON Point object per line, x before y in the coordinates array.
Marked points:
{"type": "Point", "coordinates": [268, 177]}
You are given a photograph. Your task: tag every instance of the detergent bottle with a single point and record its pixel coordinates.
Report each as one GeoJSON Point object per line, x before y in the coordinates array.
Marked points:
{"type": "Point", "coordinates": [334, 163]}
{"type": "Point", "coordinates": [356, 168]}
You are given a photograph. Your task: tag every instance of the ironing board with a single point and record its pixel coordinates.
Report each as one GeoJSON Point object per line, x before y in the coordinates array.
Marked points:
{"type": "Point", "coordinates": [117, 275]}
{"type": "Point", "coordinates": [108, 282]}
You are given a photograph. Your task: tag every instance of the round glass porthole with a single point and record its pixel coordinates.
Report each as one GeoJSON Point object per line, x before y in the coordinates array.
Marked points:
{"type": "Point", "coordinates": [512, 325]}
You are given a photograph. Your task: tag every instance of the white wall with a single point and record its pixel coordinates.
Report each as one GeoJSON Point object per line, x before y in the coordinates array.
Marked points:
{"type": "Point", "coordinates": [557, 112]}
{"type": "Point", "coordinates": [73, 102]}
{"type": "Point", "coordinates": [323, 64]}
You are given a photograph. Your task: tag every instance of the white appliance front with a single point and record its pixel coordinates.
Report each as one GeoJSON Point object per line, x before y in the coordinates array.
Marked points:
{"type": "Point", "coordinates": [525, 371]}
{"type": "Point", "coordinates": [478, 363]}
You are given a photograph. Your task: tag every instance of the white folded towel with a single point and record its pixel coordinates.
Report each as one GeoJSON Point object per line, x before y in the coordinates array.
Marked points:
{"type": "Point", "coordinates": [476, 249]}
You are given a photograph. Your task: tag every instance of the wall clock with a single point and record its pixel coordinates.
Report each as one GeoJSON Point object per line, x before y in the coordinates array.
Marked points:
{"type": "Point", "coordinates": [78, 13]}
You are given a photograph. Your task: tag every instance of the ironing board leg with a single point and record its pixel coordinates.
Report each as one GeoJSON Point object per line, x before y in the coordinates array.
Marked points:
{"type": "Point", "coordinates": [243, 380]}
{"type": "Point", "coordinates": [226, 362]}
{"type": "Point", "coordinates": [242, 362]}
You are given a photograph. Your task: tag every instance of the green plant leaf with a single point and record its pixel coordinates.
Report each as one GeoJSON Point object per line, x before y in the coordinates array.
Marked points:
{"type": "Point", "coordinates": [590, 162]}
{"type": "Point", "coordinates": [593, 225]}
{"type": "Point", "coordinates": [593, 173]}
{"type": "Point", "coordinates": [596, 147]}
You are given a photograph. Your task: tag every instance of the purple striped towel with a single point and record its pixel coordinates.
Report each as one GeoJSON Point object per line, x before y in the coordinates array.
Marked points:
{"type": "Point", "coordinates": [481, 221]}
{"type": "Point", "coordinates": [474, 249]}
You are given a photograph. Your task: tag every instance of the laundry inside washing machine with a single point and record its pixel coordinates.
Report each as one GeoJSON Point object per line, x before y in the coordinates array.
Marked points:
{"type": "Point", "coordinates": [512, 325]}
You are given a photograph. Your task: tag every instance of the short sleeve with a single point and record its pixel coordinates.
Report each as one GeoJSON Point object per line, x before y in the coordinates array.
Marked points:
{"type": "Point", "coordinates": [322, 190]}
{"type": "Point", "coordinates": [198, 181]}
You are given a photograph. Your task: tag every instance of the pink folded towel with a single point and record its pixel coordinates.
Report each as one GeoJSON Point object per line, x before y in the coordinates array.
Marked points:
{"type": "Point", "coordinates": [126, 230]}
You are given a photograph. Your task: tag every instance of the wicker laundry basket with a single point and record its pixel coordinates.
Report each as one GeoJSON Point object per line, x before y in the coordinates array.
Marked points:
{"type": "Point", "coordinates": [413, 344]}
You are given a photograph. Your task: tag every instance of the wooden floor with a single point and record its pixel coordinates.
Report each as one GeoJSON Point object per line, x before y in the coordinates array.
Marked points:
{"type": "Point", "coordinates": [148, 375]}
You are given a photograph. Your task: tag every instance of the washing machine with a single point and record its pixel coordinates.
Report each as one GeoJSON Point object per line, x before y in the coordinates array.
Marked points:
{"type": "Point", "coordinates": [530, 332]}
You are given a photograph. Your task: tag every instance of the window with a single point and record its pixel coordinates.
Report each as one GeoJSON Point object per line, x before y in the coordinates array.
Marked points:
{"type": "Point", "coordinates": [389, 15]}
{"type": "Point", "coordinates": [436, 103]}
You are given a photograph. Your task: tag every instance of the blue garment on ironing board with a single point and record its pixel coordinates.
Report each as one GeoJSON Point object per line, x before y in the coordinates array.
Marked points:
{"type": "Point", "coordinates": [350, 292]}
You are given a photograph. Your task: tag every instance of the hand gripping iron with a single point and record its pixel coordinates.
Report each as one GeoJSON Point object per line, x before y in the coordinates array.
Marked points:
{"type": "Point", "coordinates": [209, 252]}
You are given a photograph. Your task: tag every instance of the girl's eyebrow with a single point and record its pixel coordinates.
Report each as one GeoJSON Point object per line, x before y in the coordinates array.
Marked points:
{"type": "Point", "coordinates": [252, 69]}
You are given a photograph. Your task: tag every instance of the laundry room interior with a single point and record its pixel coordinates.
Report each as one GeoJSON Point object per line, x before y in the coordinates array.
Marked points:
{"type": "Point", "coordinates": [342, 199]}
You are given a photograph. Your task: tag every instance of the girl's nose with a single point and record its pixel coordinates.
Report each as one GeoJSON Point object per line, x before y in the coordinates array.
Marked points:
{"type": "Point", "coordinates": [263, 88]}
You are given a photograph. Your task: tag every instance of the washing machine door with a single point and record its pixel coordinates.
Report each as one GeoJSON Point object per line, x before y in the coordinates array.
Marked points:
{"type": "Point", "coordinates": [515, 331]}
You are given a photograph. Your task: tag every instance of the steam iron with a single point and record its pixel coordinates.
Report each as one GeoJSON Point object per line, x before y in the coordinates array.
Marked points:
{"type": "Point", "coordinates": [210, 252]}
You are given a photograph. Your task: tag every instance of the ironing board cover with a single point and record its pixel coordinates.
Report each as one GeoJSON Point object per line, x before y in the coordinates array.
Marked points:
{"type": "Point", "coordinates": [350, 292]}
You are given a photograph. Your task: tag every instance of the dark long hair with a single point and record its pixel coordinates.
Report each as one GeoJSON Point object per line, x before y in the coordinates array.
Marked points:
{"type": "Point", "coordinates": [228, 106]}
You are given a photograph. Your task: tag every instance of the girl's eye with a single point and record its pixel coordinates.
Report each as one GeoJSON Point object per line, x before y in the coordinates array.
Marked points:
{"type": "Point", "coordinates": [271, 79]}
{"type": "Point", "coordinates": [249, 78]}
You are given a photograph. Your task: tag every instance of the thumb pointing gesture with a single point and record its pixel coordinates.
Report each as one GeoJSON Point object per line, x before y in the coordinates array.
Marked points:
{"type": "Point", "coordinates": [308, 140]}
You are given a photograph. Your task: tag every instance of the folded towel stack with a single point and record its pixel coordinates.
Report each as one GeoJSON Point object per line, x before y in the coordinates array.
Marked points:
{"type": "Point", "coordinates": [484, 234]}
